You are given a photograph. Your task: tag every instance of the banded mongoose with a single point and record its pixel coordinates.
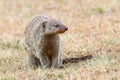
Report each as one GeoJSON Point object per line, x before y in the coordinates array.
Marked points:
{"type": "Point", "coordinates": [43, 42]}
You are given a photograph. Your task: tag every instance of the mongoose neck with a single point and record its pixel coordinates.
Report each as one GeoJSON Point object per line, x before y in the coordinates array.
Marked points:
{"type": "Point", "coordinates": [50, 37]}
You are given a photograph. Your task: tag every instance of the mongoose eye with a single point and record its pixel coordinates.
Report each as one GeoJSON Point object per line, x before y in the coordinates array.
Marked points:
{"type": "Point", "coordinates": [55, 25]}
{"type": "Point", "coordinates": [44, 24]}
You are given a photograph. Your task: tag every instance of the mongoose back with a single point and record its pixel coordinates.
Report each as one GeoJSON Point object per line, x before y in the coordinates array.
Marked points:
{"type": "Point", "coordinates": [43, 42]}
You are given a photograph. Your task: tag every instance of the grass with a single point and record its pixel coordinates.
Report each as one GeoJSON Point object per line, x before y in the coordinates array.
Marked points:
{"type": "Point", "coordinates": [94, 28]}
{"type": "Point", "coordinates": [6, 44]}
{"type": "Point", "coordinates": [99, 10]}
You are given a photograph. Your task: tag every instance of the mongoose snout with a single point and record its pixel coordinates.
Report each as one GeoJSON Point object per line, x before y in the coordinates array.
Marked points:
{"type": "Point", "coordinates": [66, 29]}
{"type": "Point", "coordinates": [63, 29]}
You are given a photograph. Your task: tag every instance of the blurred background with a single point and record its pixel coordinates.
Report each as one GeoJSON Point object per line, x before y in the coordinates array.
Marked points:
{"type": "Point", "coordinates": [94, 28]}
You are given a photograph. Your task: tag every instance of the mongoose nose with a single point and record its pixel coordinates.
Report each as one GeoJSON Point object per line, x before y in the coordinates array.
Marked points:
{"type": "Point", "coordinates": [66, 29]}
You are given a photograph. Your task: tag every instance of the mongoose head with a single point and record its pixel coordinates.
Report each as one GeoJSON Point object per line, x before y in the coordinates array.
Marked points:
{"type": "Point", "coordinates": [53, 27]}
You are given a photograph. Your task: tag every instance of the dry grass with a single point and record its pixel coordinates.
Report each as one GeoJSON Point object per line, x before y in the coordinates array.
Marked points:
{"type": "Point", "coordinates": [94, 28]}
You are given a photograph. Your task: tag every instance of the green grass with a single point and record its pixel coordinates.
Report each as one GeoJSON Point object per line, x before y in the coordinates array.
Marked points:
{"type": "Point", "coordinates": [99, 10]}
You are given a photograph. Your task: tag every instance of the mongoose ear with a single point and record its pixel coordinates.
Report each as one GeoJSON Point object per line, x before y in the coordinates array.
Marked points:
{"type": "Point", "coordinates": [44, 23]}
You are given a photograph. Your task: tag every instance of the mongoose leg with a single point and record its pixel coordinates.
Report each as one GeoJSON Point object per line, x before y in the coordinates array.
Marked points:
{"type": "Point", "coordinates": [45, 61]}
{"type": "Point", "coordinates": [55, 61]}
{"type": "Point", "coordinates": [34, 62]}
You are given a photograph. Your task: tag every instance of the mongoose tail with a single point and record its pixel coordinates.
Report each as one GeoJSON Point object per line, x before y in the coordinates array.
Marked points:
{"type": "Point", "coordinates": [75, 60]}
